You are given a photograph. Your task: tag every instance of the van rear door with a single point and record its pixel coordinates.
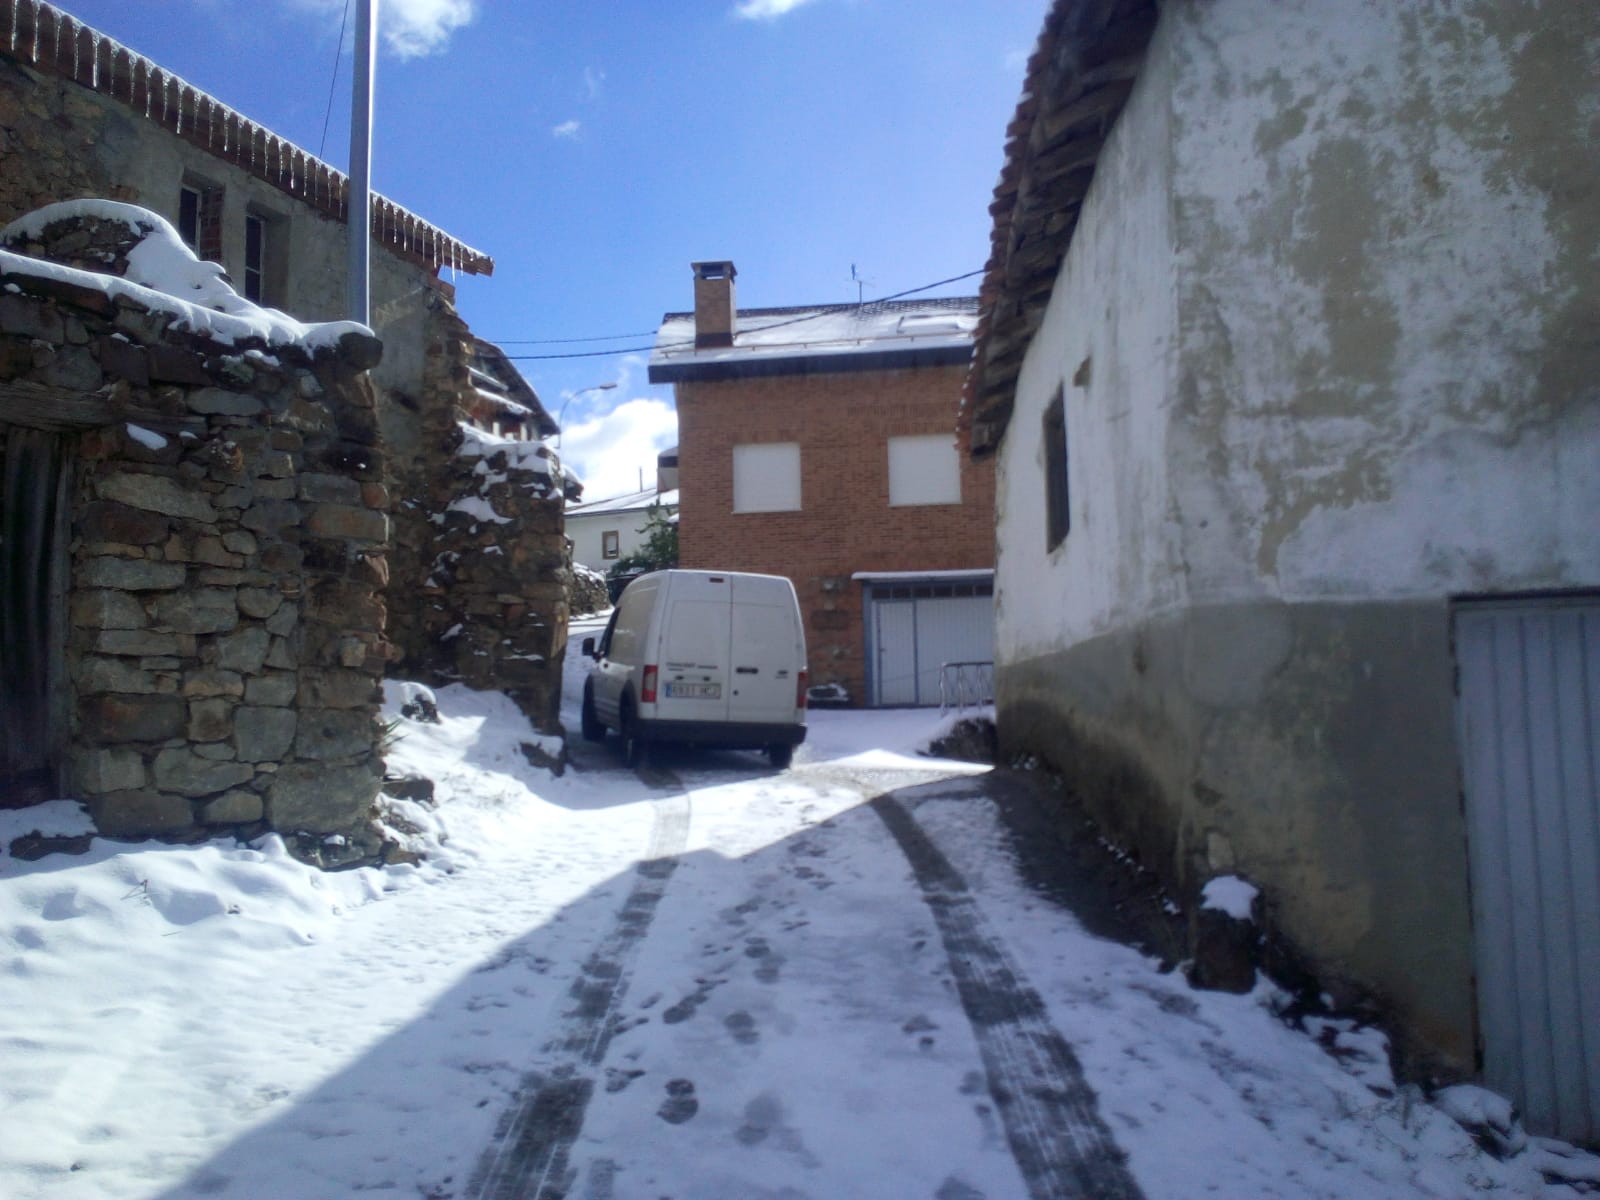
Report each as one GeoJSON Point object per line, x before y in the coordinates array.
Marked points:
{"type": "Point", "coordinates": [693, 650]}
{"type": "Point", "coordinates": [765, 651]}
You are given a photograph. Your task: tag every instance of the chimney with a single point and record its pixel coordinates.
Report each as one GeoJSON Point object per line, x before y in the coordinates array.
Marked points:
{"type": "Point", "coordinates": [713, 304]}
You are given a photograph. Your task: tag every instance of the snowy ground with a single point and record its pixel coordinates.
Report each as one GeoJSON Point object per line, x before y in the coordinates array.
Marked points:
{"type": "Point", "coordinates": [705, 980]}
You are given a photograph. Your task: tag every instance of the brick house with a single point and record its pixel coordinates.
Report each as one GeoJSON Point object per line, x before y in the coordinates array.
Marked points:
{"type": "Point", "coordinates": [819, 443]}
{"type": "Point", "coordinates": [82, 116]}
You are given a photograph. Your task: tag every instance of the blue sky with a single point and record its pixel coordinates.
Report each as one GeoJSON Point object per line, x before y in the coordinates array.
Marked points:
{"type": "Point", "coordinates": [595, 149]}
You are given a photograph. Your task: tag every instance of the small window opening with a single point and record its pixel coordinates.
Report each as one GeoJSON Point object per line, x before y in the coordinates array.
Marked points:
{"type": "Point", "coordinates": [189, 216]}
{"type": "Point", "coordinates": [255, 259]}
{"type": "Point", "coordinates": [1058, 500]}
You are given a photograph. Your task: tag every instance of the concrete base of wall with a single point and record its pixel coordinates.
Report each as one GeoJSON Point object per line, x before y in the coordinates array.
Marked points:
{"type": "Point", "coordinates": [1308, 747]}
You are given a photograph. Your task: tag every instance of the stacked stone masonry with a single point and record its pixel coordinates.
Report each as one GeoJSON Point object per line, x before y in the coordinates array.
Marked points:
{"type": "Point", "coordinates": [225, 637]}
{"type": "Point", "coordinates": [479, 526]}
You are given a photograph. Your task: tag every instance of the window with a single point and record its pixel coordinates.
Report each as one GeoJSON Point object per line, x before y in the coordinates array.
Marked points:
{"type": "Point", "coordinates": [610, 545]}
{"type": "Point", "coordinates": [924, 470]}
{"type": "Point", "coordinates": [766, 477]}
{"type": "Point", "coordinates": [1058, 500]}
{"type": "Point", "coordinates": [200, 218]}
{"type": "Point", "coordinates": [189, 216]}
{"type": "Point", "coordinates": [255, 259]}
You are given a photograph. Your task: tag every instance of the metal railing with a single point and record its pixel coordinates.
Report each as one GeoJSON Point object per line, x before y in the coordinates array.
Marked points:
{"type": "Point", "coordinates": [965, 684]}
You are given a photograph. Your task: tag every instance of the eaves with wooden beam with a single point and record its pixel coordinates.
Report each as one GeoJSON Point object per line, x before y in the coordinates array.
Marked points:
{"type": "Point", "coordinates": [42, 37]}
{"type": "Point", "coordinates": [1078, 79]}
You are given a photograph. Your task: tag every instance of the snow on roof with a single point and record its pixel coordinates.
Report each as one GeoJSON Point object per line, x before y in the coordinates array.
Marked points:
{"type": "Point", "coordinates": [631, 502]}
{"type": "Point", "coordinates": [935, 330]}
{"type": "Point", "coordinates": [164, 275]}
{"type": "Point", "coordinates": [502, 402]}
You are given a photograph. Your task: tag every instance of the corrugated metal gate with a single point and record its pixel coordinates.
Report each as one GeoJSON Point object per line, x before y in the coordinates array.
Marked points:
{"type": "Point", "coordinates": [917, 627]}
{"type": "Point", "coordinates": [1529, 713]}
{"type": "Point", "coordinates": [33, 481]}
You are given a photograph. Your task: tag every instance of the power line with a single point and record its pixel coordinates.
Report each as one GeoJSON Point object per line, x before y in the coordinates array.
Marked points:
{"type": "Point", "coordinates": [602, 337]}
{"type": "Point", "coordinates": [338, 55]}
{"type": "Point", "coordinates": [827, 310]}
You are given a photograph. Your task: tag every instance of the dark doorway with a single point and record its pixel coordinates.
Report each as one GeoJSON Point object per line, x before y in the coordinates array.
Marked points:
{"type": "Point", "coordinates": [33, 563]}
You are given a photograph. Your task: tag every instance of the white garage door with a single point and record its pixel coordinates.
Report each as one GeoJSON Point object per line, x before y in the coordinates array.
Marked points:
{"type": "Point", "coordinates": [918, 627]}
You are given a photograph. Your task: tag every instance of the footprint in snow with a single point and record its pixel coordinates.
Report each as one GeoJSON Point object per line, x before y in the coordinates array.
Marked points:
{"type": "Point", "coordinates": [680, 1104]}
{"type": "Point", "coordinates": [743, 1027]}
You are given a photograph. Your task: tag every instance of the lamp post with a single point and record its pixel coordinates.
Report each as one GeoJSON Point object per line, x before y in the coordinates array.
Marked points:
{"type": "Point", "coordinates": [599, 387]}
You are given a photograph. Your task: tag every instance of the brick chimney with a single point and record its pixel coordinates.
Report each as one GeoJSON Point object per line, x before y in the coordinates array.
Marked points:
{"type": "Point", "coordinates": [713, 303]}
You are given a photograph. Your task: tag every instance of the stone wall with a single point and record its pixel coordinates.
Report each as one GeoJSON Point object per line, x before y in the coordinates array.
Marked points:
{"type": "Point", "coordinates": [227, 554]}
{"type": "Point", "coordinates": [478, 524]}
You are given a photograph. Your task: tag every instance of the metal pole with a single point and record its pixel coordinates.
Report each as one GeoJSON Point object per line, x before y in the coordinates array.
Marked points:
{"type": "Point", "coordinates": [359, 222]}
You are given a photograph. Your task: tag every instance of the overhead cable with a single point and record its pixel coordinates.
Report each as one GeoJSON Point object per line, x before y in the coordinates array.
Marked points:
{"type": "Point", "coordinates": [823, 311]}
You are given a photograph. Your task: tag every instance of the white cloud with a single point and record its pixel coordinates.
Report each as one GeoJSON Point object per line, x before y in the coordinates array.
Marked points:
{"type": "Point", "coordinates": [609, 450]}
{"type": "Point", "coordinates": [413, 28]}
{"type": "Point", "coordinates": [593, 81]}
{"type": "Point", "coordinates": [765, 10]}
{"type": "Point", "coordinates": [567, 129]}
{"type": "Point", "coordinates": [410, 28]}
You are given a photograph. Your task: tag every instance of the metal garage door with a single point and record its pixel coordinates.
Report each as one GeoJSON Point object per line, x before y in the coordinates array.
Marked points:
{"type": "Point", "coordinates": [1529, 710]}
{"type": "Point", "coordinates": [918, 627]}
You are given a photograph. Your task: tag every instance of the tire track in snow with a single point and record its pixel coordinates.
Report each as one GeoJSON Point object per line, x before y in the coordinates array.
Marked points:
{"type": "Point", "coordinates": [1051, 1115]}
{"type": "Point", "coordinates": [528, 1158]}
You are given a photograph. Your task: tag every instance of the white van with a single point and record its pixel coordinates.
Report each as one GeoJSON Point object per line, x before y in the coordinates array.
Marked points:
{"type": "Point", "coordinates": [706, 658]}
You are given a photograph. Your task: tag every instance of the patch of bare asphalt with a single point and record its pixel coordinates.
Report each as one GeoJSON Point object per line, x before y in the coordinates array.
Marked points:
{"type": "Point", "coordinates": [527, 1160]}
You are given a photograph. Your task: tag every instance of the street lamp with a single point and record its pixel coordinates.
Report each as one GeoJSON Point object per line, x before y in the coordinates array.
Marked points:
{"type": "Point", "coordinates": [599, 387]}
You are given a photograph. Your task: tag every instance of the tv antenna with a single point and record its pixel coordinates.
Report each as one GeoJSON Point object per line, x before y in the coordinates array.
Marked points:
{"type": "Point", "coordinates": [861, 282]}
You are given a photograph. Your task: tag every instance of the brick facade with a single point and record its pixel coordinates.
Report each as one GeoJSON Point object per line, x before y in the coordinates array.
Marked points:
{"type": "Point", "coordinates": [842, 422]}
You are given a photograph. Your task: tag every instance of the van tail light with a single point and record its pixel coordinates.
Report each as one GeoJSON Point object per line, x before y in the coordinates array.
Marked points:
{"type": "Point", "coordinates": [800, 689]}
{"type": "Point", "coordinates": [649, 695]}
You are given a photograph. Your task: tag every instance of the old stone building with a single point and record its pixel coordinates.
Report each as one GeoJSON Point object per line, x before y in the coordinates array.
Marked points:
{"type": "Point", "coordinates": [192, 544]}
{"type": "Point", "coordinates": [82, 116]}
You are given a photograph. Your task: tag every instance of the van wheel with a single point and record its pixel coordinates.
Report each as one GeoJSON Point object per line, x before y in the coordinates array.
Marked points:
{"type": "Point", "coordinates": [593, 730]}
{"type": "Point", "coordinates": [634, 747]}
{"type": "Point", "coordinates": [780, 755]}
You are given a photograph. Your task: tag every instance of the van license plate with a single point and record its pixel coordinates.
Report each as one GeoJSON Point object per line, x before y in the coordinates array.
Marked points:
{"type": "Point", "coordinates": [694, 691]}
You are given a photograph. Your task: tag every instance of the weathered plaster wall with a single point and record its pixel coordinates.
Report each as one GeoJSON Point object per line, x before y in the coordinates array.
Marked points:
{"type": "Point", "coordinates": [1108, 341]}
{"type": "Point", "coordinates": [1379, 387]}
{"type": "Point", "coordinates": [1388, 227]}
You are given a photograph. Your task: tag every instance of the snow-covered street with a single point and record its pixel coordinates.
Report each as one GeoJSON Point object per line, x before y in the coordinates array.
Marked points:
{"type": "Point", "coordinates": [703, 980]}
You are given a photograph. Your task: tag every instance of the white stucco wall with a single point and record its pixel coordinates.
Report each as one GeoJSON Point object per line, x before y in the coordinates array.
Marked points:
{"type": "Point", "coordinates": [1387, 219]}
{"type": "Point", "coordinates": [1114, 304]}
{"type": "Point", "coordinates": [585, 533]}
